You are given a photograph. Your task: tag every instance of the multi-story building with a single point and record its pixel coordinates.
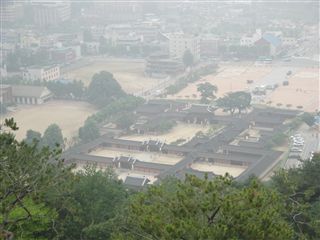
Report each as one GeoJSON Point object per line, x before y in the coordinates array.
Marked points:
{"type": "Point", "coordinates": [249, 40]}
{"type": "Point", "coordinates": [10, 12]}
{"type": "Point", "coordinates": [51, 13]}
{"type": "Point", "coordinates": [41, 73]}
{"type": "Point", "coordinates": [269, 45]}
{"type": "Point", "coordinates": [179, 43]}
{"type": "Point", "coordinates": [209, 46]}
{"type": "Point", "coordinates": [65, 54]}
{"type": "Point", "coordinates": [159, 65]}
{"type": "Point", "coordinates": [117, 12]}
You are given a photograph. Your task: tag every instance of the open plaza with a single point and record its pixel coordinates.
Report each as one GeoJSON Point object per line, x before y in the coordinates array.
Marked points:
{"type": "Point", "coordinates": [69, 115]}
{"type": "Point", "coordinates": [302, 90]}
{"type": "Point", "coordinates": [129, 73]}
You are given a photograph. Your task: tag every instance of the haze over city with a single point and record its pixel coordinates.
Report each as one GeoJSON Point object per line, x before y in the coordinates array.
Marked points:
{"type": "Point", "coordinates": [159, 120]}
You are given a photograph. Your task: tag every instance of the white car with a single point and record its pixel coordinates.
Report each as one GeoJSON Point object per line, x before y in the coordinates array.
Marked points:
{"type": "Point", "coordinates": [298, 144]}
{"type": "Point", "coordinates": [296, 149]}
{"type": "Point", "coordinates": [298, 138]}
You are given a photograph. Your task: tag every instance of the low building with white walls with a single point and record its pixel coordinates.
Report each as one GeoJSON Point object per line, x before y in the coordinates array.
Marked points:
{"type": "Point", "coordinates": [249, 40]}
{"type": "Point", "coordinates": [23, 94]}
{"type": "Point", "coordinates": [48, 73]}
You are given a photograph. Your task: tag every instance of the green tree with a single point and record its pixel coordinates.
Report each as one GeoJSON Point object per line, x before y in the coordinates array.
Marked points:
{"type": "Point", "coordinates": [27, 174]}
{"type": "Point", "coordinates": [207, 91]}
{"type": "Point", "coordinates": [104, 89]}
{"type": "Point", "coordinates": [160, 125]}
{"type": "Point", "coordinates": [235, 100]}
{"type": "Point", "coordinates": [203, 209]}
{"type": "Point", "coordinates": [188, 59]}
{"type": "Point", "coordinates": [70, 90]}
{"type": "Point", "coordinates": [32, 136]}
{"type": "Point", "coordinates": [301, 190]}
{"type": "Point", "coordinates": [125, 120]}
{"type": "Point", "coordinates": [53, 137]}
{"type": "Point", "coordinates": [93, 202]}
{"type": "Point", "coordinates": [122, 105]}
{"type": "Point", "coordinates": [89, 131]}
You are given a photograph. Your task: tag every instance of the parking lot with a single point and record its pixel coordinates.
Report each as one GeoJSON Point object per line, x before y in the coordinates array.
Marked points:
{"type": "Point", "coordinates": [301, 152]}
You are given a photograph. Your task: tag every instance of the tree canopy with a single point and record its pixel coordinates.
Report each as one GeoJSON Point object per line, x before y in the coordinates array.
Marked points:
{"type": "Point", "coordinates": [188, 59]}
{"type": "Point", "coordinates": [92, 203]}
{"type": "Point", "coordinates": [26, 175]}
{"type": "Point", "coordinates": [32, 136]}
{"type": "Point", "coordinates": [301, 190]}
{"type": "Point", "coordinates": [204, 209]}
{"type": "Point", "coordinates": [40, 198]}
{"type": "Point", "coordinates": [53, 137]}
{"type": "Point", "coordinates": [89, 131]}
{"type": "Point", "coordinates": [103, 89]}
{"type": "Point", "coordinates": [207, 91]}
{"type": "Point", "coordinates": [235, 101]}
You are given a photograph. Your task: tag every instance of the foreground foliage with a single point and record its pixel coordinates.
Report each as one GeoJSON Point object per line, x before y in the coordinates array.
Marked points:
{"type": "Point", "coordinates": [203, 209]}
{"type": "Point", "coordinates": [42, 199]}
{"type": "Point", "coordinates": [27, 173]}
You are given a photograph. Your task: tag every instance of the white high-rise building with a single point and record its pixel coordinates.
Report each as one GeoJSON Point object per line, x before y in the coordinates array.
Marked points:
{"type": "Point", "coordinates": [51, 13]}
{"type": "Point", "coordinates": [179, 43]}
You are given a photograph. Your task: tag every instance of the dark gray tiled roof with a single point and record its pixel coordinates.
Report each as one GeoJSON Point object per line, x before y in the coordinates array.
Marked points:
{"type": "Point", "coordinates": [30, 91]}
{"type": "Point", "coordinates": [136, 181]}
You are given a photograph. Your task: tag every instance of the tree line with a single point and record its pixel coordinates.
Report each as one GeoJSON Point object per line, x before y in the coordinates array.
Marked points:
{"type": "Point", "coordinates": [42, 198]}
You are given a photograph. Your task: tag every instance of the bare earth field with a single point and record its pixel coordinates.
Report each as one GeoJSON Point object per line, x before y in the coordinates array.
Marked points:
{"type": "Point", "coordinates": [219, 169]}
{"type": "Point", "coordinates": [129, 74]}
{"type": "Point", "coordinates": [303, 90]}
{"type": "Point", "coordinates": [142, 156]}
{"type": "Point", "coordinates": [69, 115]}
{"type": "Point", "coordinates": [228, 79]}
{"type": "Point", "coordinates": [180, 131]}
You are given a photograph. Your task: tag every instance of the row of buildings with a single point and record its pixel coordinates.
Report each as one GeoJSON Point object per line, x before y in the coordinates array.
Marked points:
{"type": "Point", "coordinates": [35, 73]}
{"type": "Point", "coordinates": [241, 144]}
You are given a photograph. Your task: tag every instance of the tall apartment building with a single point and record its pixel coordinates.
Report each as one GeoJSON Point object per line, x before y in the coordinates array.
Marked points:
{"type": "Point", "coordinates": [51, 13]}
{"type": "Point", "coordinates": [179, 43]}
{"type": "Point", "coordinates": [118, 12]}
{"type": "Point", "coordinates": [10, 12]}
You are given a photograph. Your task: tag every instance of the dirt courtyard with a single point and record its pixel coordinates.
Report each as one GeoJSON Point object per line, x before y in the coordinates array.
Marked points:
{"type": "Point", "coordinates": [142, 156]}
{"type": "Point", "coordinates": [219, 169]}
{"type": "Point", "coordinates": [180, 131]}
{"type": "Point", "coordinates": [129, 74]}
{"type": "Point", "coordinates": [303, 90]}
{"type": "Point", "coordinates": [69, 115]}
{"type": "Point", "coordinates": [228, 79]}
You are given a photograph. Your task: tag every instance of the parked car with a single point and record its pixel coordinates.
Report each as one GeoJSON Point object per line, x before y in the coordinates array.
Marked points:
{"type": "Point", "coordinates": [298, 144]}
{"type": "Point", "coordinates": [296, 149]}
